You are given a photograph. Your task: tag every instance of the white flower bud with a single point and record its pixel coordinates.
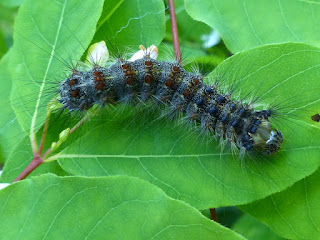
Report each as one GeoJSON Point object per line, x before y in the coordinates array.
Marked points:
{"type": "Point", "coordinates": [151, 51]}
{"type": "Point", "coordinates": [98, 53]}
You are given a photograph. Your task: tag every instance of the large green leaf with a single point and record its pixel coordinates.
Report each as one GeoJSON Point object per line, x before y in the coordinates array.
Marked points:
{"type": "Point", "coordinates": [47, 33]}
{"type": "Point", "coordinates": [131, 23]}
{"type": "Point", "coordinates": [249, 23]}
{"type": "Point", "coordinates": [49, 207]}
{"type": "Point", "coordinates": [293, 213]}
{"type": "Point", "coordinates": [192, 167]}
{"type": "Point", "coordinates": [11, 3]}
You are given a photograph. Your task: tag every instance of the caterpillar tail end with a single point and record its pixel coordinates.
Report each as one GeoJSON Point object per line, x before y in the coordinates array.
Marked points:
{"type": "Point", "coordinates": [266, 139]}
{"type": "Point", "coordinates": [274, 142]}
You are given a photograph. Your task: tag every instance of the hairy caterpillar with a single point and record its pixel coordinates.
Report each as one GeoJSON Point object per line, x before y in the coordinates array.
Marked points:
{"type": "Point", "coordinates": [168, 82]}
{"type": "Point", "coordinates": [147, 149]}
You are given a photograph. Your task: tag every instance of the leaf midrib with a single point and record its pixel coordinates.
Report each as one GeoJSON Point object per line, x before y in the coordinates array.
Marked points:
{"type": "Point", "coordinates": [34, 117]}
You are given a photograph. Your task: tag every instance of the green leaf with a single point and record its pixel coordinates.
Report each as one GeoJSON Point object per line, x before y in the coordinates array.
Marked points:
{"type": "Point", "coordinates": [42, 44]}
{"type": "Point", "coordinates": [11, 3]}
{"type": "Point", "coordinates": [10, 130]}
{"type": "Point", "coordinates": [191, 167]}
{"type": "Point", "coordinates": [293, 213]}
{"type": "Point", "coordinates": [132, 23]}
{"type": "Point", "coordinates": [250, 228]}
{"type": "Point", "coordinates": [49, 207]}
{"type": "Point", "coordinates": [247, 24]}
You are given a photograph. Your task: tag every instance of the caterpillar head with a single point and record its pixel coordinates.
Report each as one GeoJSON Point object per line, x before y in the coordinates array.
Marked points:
{"type": "Point", "coordinates": [76, 91]}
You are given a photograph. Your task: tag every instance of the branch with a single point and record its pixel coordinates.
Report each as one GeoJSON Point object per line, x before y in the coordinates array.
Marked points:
{"type": "Point", "coordinates": [214, 215]}
{"type": "Point", "coordinates": [36, 161]}
{"type": "Point", "coordinates": [39, 157]}
{"type": "Point", "coordinates": [174, 30]}
{"type": "Point", "coordinates": [44, 134]}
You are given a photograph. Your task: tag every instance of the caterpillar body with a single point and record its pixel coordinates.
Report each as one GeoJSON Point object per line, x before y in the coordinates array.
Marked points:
{"type": "Point", "coordinates": [146, 79]}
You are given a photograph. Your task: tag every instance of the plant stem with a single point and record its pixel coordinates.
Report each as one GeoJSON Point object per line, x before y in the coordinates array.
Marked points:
{"type": "Point", "coordinates": [174, 30]}
{"type": "Point", "coordinates": [80, 123]}
{"type": "Point", "coordinates": [214, 215]}
{"type": "Point", "coordinates": [36, 161]}
{"type": "Point", "coordinates": [44, 134]}
{"type": "Point", "coordinates": [75, 127]}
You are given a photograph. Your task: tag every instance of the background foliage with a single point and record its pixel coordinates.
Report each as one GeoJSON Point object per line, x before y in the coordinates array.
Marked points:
{"type": "Point", "coordinates": [127, 172]}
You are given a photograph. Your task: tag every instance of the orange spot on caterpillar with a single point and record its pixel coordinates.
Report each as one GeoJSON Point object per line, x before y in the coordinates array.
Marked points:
{"type": "Point", "coordinates": [99, 86]}
{"type": "Point", "coordinates": [97, 74]}
{"type": "Point", "coordinates": [125, 66]}
{"type": "Point", "coordinates": [175, 69]}
{"type": "Point", "coordinates": [148, 63]}
{"type": "Point", "coordinates": [148, 78]}
{"type": "Point", "coordinates": [186, 93]}
{"type": "Point", "coordinates": [130, 80]}
{"type": "Point", "coordinates": [195, 81]}
{"type": "Point", "coordinates": [169, 83]}
{"type": "Point", "coordinates": [98, 79]}
{"type": "Point", "coordinates": [72, 82]}
{"type": "Point", "coordinates": [75, 93]}
{"type": "Point", "coordinates": [128, 73]}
